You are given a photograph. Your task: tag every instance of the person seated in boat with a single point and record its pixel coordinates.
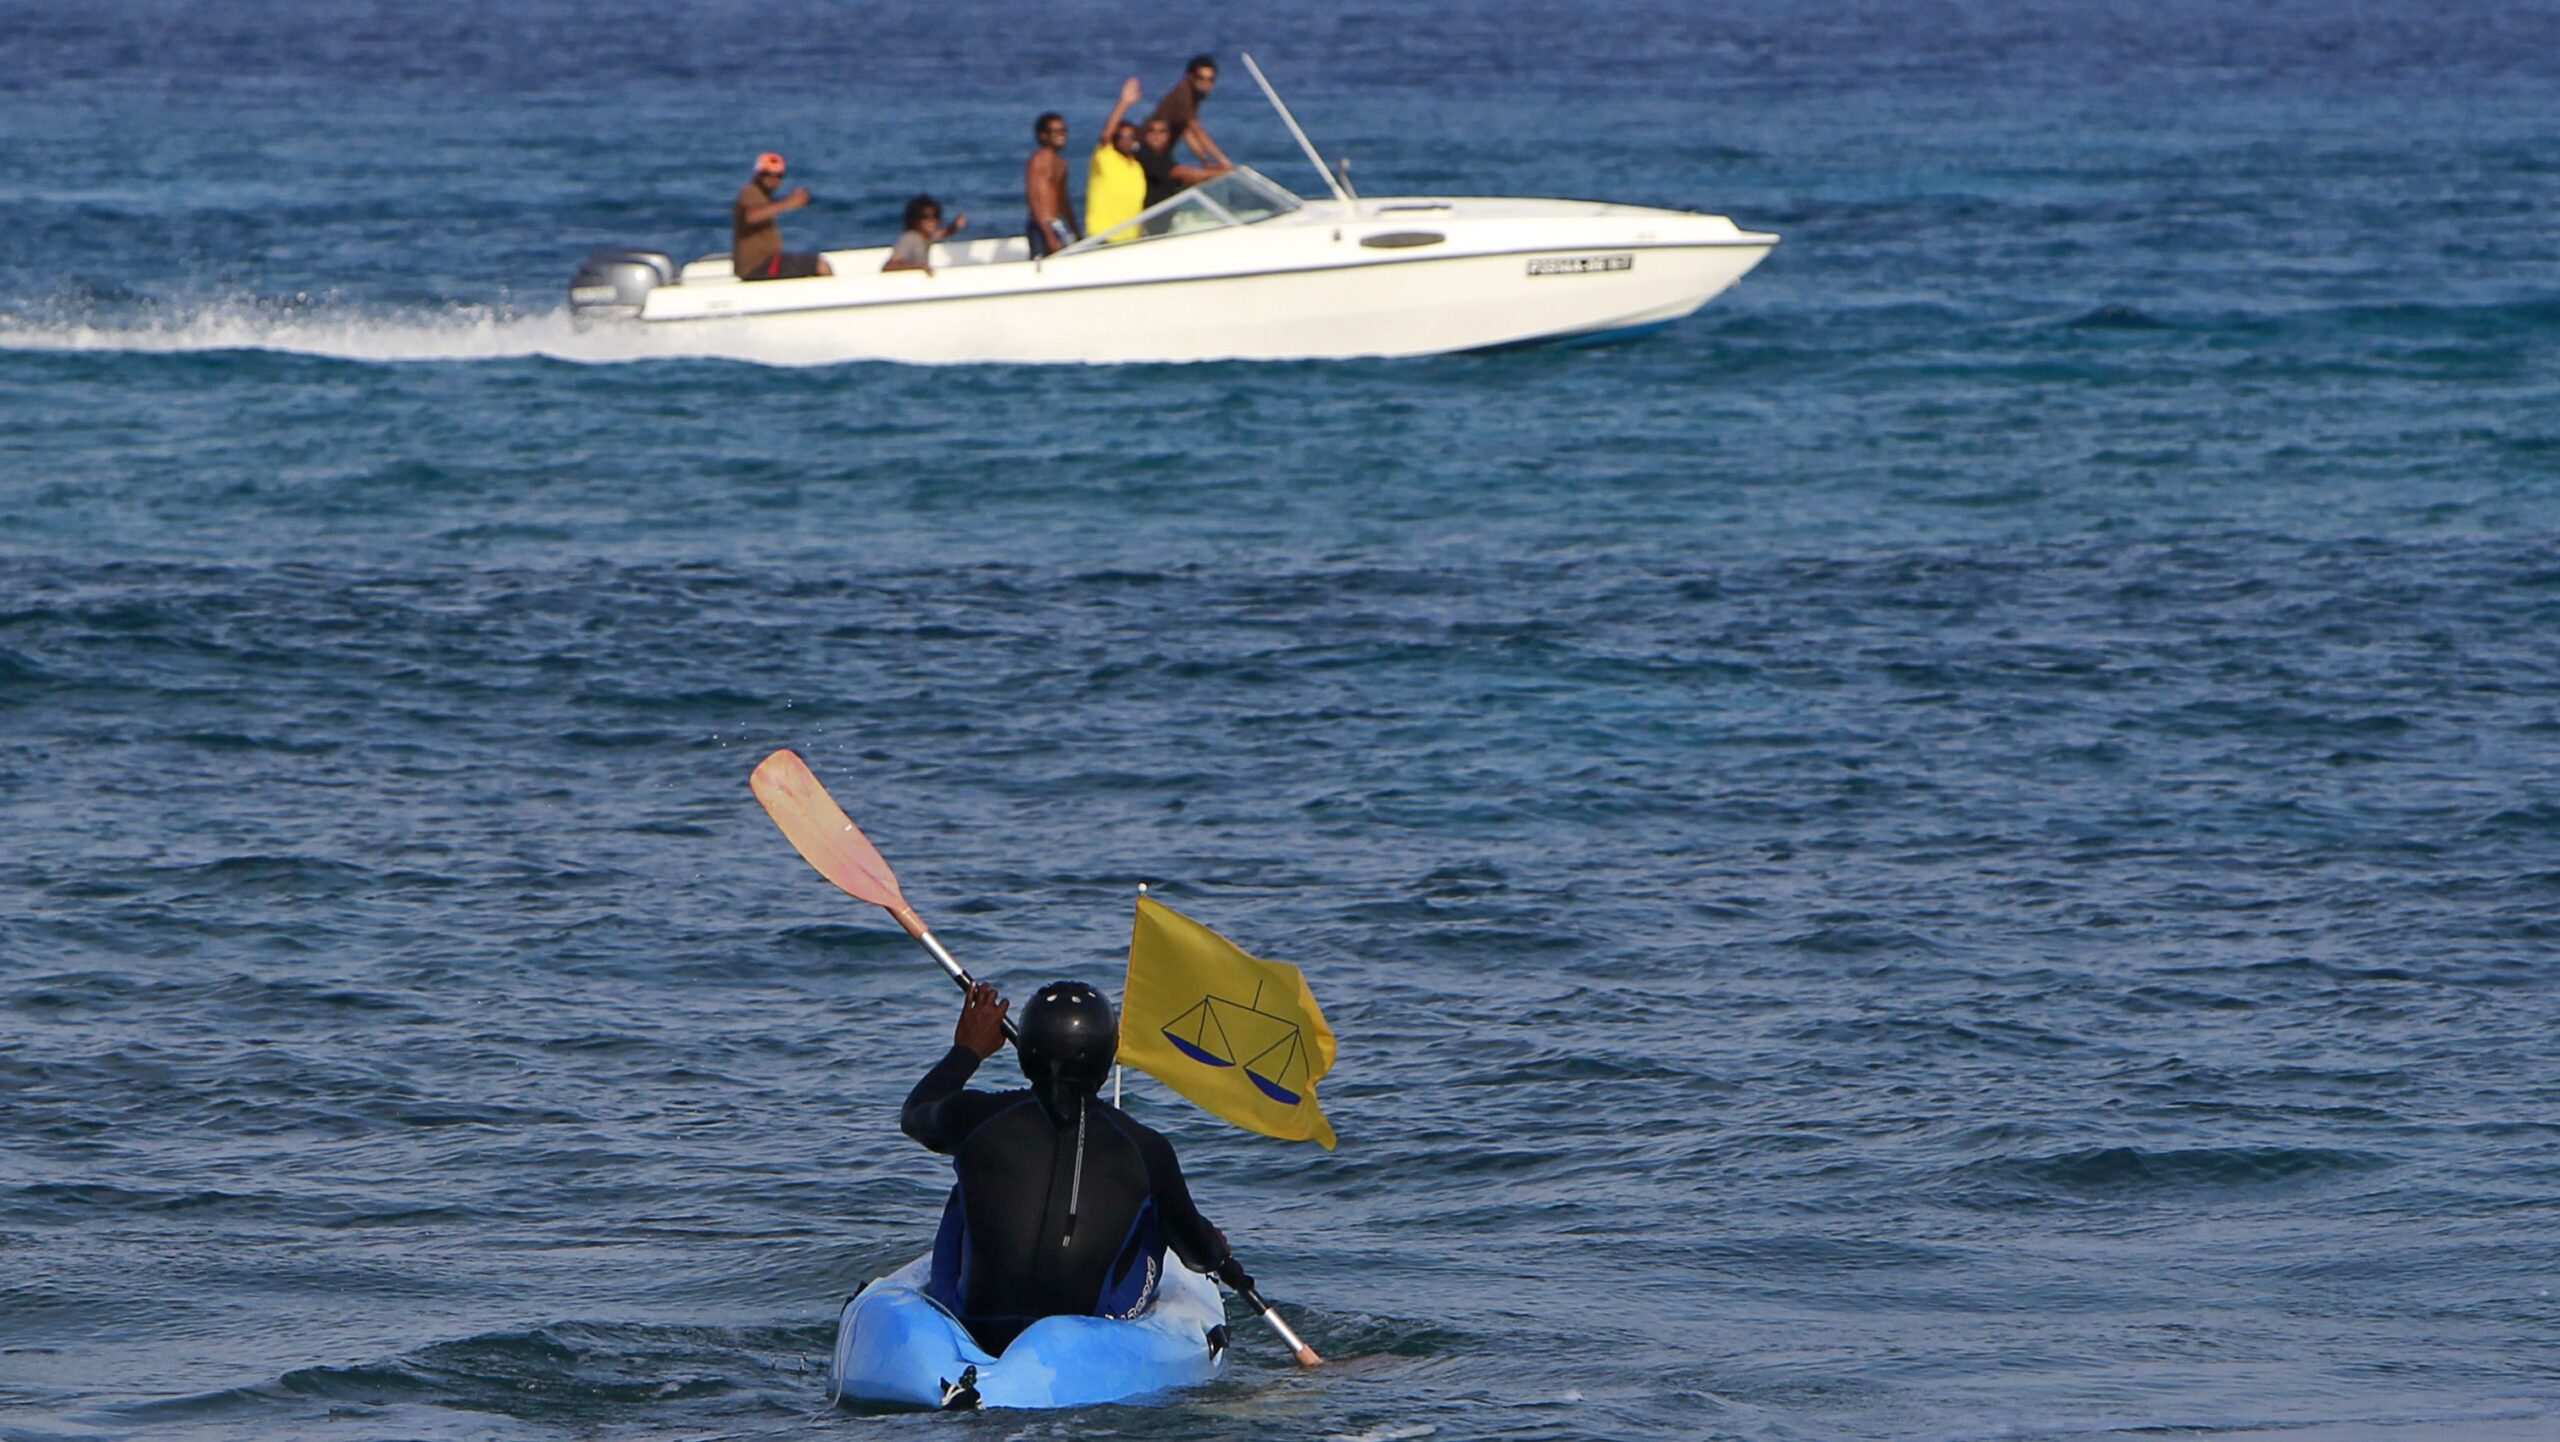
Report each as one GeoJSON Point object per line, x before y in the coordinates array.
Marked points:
{"type": "Point", "coordinates": [1180, 110]}
{"type": "Point", "coordinates": [1115, 185]}
{"type": "Point", "coordinates": [1165, 177]}
{"type": "Point", "coordinates": [1062, 1205]}
{"type": "Point", "coordinates": [755, 228]}
{"type": "Point", "coordinates": [925, 230]}
{"type": "Point", "coordinates": [1044, 188]}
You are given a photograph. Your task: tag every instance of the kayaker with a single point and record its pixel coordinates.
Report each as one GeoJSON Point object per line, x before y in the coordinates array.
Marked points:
{"type": "Point", "coordinates": [1115, 186]}
{"type": "Point", "coordinates": [1180, 109]}
{"type": "Point", "coordinates": [1062, 1206]}
{"type": "Point", "coordinates": [755, 230]}
{"type": "Point", "coordinates": [1052, 227]}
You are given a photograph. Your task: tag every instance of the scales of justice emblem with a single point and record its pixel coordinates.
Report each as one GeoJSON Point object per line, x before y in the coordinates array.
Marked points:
{"type": "Point", "coordinates": [1223, 1032]}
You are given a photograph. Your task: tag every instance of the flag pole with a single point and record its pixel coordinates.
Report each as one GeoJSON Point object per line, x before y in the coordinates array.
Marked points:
{"type": "Point", "coordinates": [1242, 1284]}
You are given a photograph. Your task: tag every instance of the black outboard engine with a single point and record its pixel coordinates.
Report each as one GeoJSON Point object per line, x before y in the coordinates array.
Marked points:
{"type": "Point", "coordinates": [611, 284]}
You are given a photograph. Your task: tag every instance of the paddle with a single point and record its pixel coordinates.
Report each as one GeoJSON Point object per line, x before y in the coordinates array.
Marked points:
{"type": "Point", "coordinates": [827, 839]}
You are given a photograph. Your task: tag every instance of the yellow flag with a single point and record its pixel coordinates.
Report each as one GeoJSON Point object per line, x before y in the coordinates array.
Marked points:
{"type": "Point", "coordinates": [1238, 1035]}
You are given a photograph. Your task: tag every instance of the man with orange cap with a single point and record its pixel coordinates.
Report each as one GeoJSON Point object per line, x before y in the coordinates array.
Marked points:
{"type": "Point", "coordinates": [755, 230]}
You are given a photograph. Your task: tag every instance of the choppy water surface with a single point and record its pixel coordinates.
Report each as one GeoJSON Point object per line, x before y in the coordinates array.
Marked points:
{"type": "Point", "coordinates": [1963, 846]}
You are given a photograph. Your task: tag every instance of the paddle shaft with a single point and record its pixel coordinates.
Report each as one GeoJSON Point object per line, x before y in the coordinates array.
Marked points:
{"type": "Point", "coordinates": [915, 927]}
{"type": "Point", "coordinates": [1306, 1355]}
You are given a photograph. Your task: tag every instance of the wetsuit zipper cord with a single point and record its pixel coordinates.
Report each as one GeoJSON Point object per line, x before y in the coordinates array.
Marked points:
{"type": "Point", "coordinates": [1075, 1186]}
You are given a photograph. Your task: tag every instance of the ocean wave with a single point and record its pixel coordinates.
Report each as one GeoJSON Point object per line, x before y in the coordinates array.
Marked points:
{"type": "Point", "coordinates": [16, 672]}
{"type": "Point", "coordinates": [542, 1374]}
{"type": "Point", "coordinates": [60, 1202]}
{"type": "Point", "coordinates": [2120, 1171]}
{"type": "Point", "coordinates": [2114, 317]}
{"type": "Point", "coordinates": [2412, 319]}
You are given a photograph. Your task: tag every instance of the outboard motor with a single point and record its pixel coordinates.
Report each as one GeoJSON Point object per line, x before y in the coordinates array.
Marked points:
{"type": "Point", "coordinates": [611, 284]}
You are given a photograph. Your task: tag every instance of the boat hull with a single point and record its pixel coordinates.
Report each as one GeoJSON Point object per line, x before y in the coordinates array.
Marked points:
{"type": "Point", "coordinates": [895, 1347]}
{"type": "Point", "coordinates": [1402, 308]}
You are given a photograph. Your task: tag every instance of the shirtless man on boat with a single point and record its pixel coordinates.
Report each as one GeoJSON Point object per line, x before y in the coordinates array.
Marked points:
{"type": "Point", "coordinates": [1062, 1205]}
{"type": "Point", "coordinates": [1044, 188]}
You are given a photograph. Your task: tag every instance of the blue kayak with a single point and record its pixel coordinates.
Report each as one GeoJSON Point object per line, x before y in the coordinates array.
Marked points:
{"type": "Point", "coordinates": [896, 1345]}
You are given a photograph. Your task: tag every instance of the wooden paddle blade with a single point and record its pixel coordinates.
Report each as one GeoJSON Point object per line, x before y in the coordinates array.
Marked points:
{"type": "Point", "coordinates": [823, 834]}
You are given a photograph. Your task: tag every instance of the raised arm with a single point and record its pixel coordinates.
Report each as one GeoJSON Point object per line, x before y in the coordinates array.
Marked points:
{"type": "Point", "coordinates": [1128, 96]}
{"type": "Point", "coordinates": [938, 1112]}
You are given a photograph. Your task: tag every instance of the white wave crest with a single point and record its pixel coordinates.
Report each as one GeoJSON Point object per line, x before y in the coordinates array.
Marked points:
{"type": "Point", "coordinates": [456, 333]}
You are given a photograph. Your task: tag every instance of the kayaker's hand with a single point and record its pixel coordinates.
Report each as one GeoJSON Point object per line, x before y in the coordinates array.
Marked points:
{"type": "Point", "coordinates": [799, 199]}
{"type": "Point", "coordinates": [981, 1027]}
{"type": "Point", "coordinates": [1232, 1273]}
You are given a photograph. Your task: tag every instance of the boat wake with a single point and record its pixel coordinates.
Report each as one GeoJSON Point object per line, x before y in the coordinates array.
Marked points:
{"type": "Point", "coordinates": [451, 333]}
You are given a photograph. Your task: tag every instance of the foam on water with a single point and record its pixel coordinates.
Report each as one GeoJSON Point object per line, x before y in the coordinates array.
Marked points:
{"type": "Point", "coordinates": [346, 332]}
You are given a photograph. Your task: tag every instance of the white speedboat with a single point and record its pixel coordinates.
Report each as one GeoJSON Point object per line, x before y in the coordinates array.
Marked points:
{"type": "Point", "coordinates": [1237, 268]}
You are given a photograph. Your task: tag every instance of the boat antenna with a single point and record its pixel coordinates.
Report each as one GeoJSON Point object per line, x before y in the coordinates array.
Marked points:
{"type": "Point", "coordinates": [1332, 183]}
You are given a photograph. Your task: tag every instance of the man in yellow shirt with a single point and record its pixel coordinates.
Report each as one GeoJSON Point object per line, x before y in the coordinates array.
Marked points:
{"type": "Point", "coordinates": [1115, 185]}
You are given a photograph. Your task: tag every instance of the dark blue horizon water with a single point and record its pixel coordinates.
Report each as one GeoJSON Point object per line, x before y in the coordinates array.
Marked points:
{"type": "Point", "coordinates": [1963, 846]}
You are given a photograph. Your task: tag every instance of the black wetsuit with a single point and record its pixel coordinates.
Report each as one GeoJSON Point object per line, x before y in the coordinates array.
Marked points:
{"type": "Point", "coordinates": [1007, 1255]}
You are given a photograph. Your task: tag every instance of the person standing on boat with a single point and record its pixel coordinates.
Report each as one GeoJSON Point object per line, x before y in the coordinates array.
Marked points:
{"type": "Point", "coordinates": [1044, 187]}
{"type": "Point", "coordinates": [755, 229]}
{"type": "Point", "coordinates": [1180, 110]}
{"type": "Point", "coordinates": [1061, 1205]}
{"type": "Point", "coordinates": [924, 230]}
{"type": "Point", "coordinates": [1165, 178]}
{"type": "Point", "coordinates": [1115, 185]}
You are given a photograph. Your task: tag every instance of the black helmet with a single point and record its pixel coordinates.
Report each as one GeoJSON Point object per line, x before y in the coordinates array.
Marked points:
{"type": "Point", "coordinates": [1067, 1039]}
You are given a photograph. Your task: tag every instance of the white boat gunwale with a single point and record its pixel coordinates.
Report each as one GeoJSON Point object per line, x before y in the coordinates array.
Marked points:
{"type": "Point", "coordinates": [1746, 241]}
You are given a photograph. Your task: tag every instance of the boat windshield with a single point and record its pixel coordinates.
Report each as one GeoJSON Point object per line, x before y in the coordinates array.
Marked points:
{"type": "Point", "coordinates": [1240, 197]}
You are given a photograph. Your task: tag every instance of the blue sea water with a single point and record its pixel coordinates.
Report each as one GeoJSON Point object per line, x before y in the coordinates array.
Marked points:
{"type": "Point", "coordinates": [1965, 845]}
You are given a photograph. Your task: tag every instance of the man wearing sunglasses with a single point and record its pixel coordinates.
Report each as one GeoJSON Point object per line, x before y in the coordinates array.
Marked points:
{"type": "Point", "coordinates": [1115, 186]}
{"type": "Point", "coordinates": [1044, 187]}
{"type": "Point", "coordinates": [1167, 178]}
{"type": "Point", "coordinates": [1180, 110]}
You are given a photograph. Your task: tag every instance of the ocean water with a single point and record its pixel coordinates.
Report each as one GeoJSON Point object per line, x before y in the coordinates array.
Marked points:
{"type": "Point", "coordinates": [1965, 845]}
